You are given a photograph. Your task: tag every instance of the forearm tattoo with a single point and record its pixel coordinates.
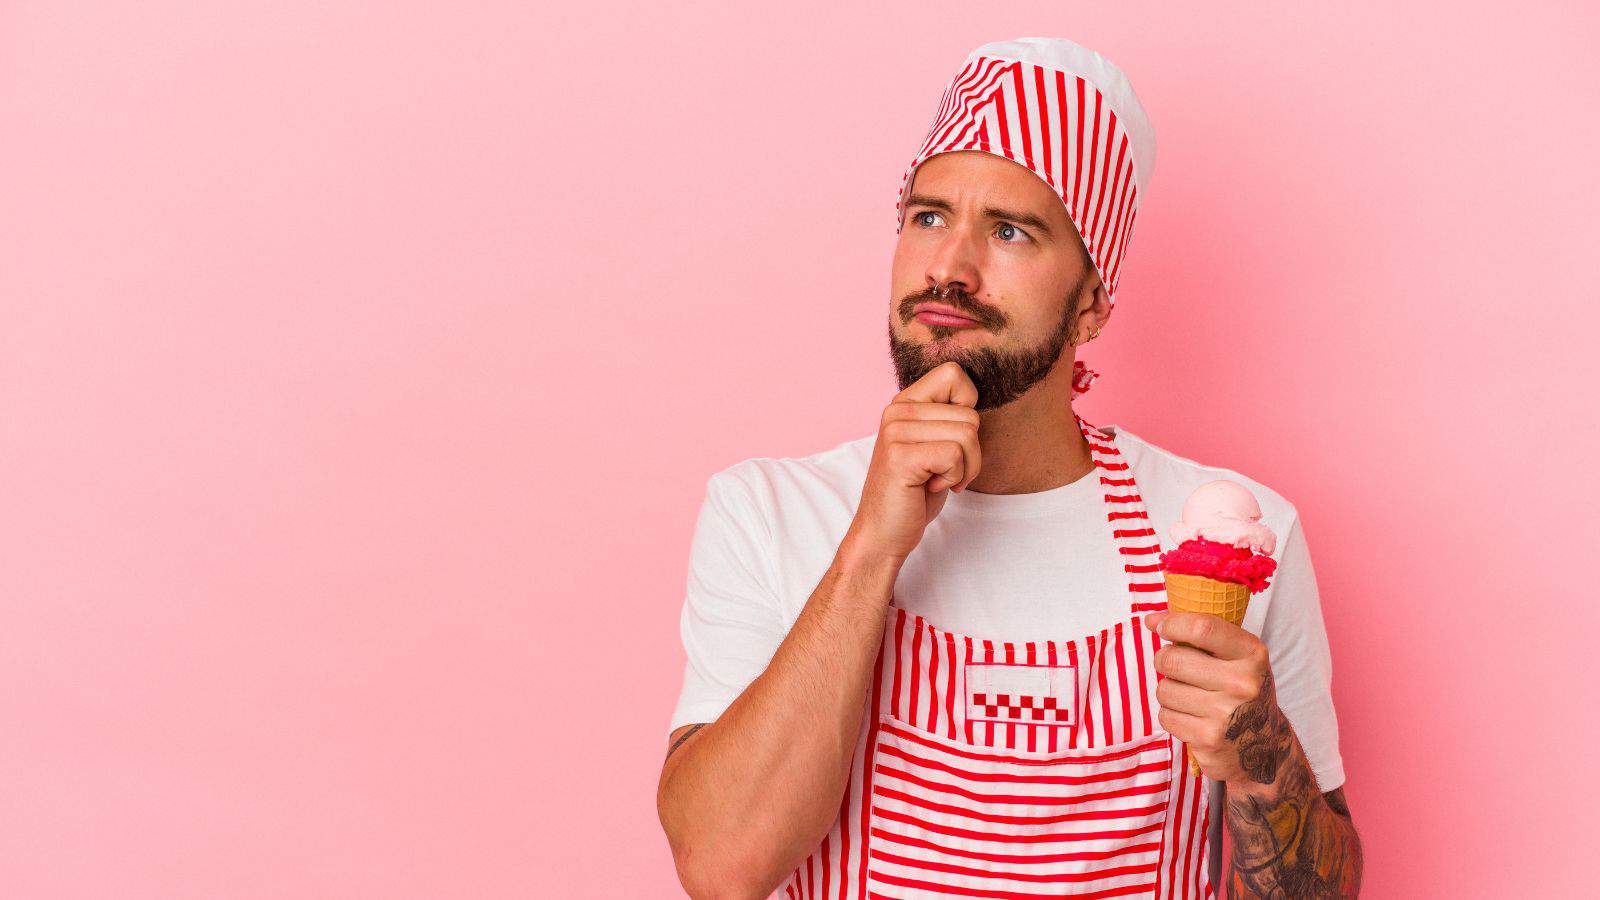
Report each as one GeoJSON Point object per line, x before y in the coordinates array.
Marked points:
{"type": "Point", "coordinates": [1261, 734]}
{"type": "Point", "coordinates": [684, 737]}
{"type": "Point", "coordinates": [1289, 841]}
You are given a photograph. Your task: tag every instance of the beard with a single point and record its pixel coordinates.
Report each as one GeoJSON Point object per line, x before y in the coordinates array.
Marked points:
{"type": "Point", "coordinates": [1001, 375]}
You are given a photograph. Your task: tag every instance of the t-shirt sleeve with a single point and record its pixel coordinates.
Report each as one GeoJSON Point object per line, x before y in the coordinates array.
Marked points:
{"type": "Point", "coordinates": [1302, 666]}
{"type": "Point", "coordinates": [731, 622]}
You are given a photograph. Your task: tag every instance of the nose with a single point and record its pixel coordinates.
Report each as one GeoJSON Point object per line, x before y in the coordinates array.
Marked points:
{"type": "Point", "coordinates": [954, 262]}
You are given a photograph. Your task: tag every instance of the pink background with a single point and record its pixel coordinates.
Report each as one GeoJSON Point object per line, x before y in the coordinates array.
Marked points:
{"type": "Point", "coordinates": [362, 365]}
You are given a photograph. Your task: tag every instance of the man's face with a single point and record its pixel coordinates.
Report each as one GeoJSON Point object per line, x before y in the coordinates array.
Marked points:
{"type": "Point", "coordinates": [1019, 279]}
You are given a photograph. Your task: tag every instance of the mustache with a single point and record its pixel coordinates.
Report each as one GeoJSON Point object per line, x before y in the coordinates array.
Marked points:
{"type": "Point", "coordinates": [988, 316]}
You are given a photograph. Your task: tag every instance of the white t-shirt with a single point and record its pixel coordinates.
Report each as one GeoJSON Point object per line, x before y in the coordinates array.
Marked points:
{"type": "Point", "coordinates": [1012, 567]}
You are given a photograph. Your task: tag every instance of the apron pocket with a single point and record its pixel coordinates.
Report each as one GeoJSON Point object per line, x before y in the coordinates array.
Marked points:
{"type": "Point", "coordinates": [953, 819]}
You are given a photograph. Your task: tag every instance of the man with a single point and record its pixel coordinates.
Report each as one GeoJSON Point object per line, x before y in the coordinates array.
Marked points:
{"type": "Point", "coordinates": [935, 661]}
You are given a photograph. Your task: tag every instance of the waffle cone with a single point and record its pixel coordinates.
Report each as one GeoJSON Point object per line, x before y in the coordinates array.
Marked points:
{"type": "Point", "coordinates": [1197, 593]}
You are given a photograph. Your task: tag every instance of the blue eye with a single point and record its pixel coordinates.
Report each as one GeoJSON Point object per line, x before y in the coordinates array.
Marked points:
{"type": "Point", "coordinates": [930, 222]}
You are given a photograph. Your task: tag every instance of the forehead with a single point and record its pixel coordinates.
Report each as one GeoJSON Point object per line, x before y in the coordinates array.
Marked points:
{"type": "Point", "coordinates": [976, 176]}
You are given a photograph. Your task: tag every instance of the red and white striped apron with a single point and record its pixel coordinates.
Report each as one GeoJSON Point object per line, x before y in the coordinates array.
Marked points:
{"type": "Point", "coordinates": [1001, 769]}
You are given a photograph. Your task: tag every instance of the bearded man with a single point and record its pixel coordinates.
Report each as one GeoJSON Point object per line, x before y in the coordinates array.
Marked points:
{"type": "Point", "coordinates": [936, 660]}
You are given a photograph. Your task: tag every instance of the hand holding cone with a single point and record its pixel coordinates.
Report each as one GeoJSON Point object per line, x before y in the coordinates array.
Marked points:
{"type": "Point", "coordinates": [1223, 555]}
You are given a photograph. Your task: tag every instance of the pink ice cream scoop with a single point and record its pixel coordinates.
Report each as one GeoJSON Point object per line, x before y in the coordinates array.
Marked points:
{"type": "Point", "coordinates": [1226, 512]}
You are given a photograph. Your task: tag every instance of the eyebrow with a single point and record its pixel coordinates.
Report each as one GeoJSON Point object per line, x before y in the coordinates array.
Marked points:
{"type": "Point", "coordinates": [993, 212]}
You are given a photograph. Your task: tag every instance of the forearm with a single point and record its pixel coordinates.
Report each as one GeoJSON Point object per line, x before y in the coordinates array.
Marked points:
{"type": "Point", "coordinates": [744, 802]}
{"type": "Point", "coordinates": [1289, 839]}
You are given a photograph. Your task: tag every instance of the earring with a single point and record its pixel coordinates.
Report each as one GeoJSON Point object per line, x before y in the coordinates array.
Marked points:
{"type": "Point", "coordinates": [1094, 332]}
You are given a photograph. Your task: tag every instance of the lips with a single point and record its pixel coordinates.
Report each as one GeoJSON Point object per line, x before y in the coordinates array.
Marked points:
{"type": "Point", "coordinates": [947, 316]}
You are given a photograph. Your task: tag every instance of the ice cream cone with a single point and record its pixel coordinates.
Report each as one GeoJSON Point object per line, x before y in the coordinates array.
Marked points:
{"type": "Point", "coordinates": [1196, 593]}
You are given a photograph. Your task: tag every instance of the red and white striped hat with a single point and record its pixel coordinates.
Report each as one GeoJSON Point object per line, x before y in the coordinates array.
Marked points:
{"type": "Point", "coordinates": [1071, 117]}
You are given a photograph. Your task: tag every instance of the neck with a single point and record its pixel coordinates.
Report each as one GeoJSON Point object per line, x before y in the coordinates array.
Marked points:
{"type": "Point", "coordinates": [1032, 443]}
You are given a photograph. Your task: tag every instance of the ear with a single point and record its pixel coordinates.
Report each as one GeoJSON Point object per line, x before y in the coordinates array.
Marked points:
{"type": "Point", "coordinates": [1102, 304]}
{"type": "Point", "coordinates": [1093, 310]}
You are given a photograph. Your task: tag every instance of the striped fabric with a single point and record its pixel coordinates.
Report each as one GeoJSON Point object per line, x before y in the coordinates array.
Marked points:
{"type": "Point", "coordinates": [950, 819]}
{"type": "Point", "coordinates": [1067, 114]}
{"type": "Point", "coordinates": [947, 801]}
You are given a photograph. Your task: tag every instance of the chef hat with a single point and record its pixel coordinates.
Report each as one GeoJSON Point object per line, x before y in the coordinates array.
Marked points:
{"type": "Point", "coordinates": [1069, 116]}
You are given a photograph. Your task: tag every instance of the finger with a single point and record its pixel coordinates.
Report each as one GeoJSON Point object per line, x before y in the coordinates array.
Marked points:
{"type": "Point", "coordinates": [974, 462]}
{"type": "Point", "coordinates": [919, 409]}
{"type": "Point", "coordinates": [946, 383]}
{"type": "Point", "coordinates": [935, 464]}
{"type": "Point", "coordinates": [961, 431]}
{"type": "Point", "coordinates": [1194, 667]}
{"type": "Point", "coordinates": [1179, 696]}
{"type": "Point", "coordinates": [943, 412]}
{"type": "Point", "coordinates": [1192, 730]}
{"type": "Point", "coordinates": [1183, 726]}
{"type": "Point", "coordinates": [1213, 634]}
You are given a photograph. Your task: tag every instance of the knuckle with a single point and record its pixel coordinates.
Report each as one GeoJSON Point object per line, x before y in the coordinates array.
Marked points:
{"type": "Point", "coordinates": [1248, 688]}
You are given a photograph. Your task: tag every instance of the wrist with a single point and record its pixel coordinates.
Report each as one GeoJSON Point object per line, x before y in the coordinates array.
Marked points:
{"type": "Point", "coordinates": [1271, 758]}
{"type": "Point", "coordinates": [860, 557]}
{"type": "Point", "coordinates": [1243, 785]}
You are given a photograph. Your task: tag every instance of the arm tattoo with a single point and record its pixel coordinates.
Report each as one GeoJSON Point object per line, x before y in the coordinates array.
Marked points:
{"type": "Point", "coordinates": [1261, 734]}
{"type": "Point", "coordinates": [1289, 841]}
{"type": "Point", "coordinates": [684, 737]}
